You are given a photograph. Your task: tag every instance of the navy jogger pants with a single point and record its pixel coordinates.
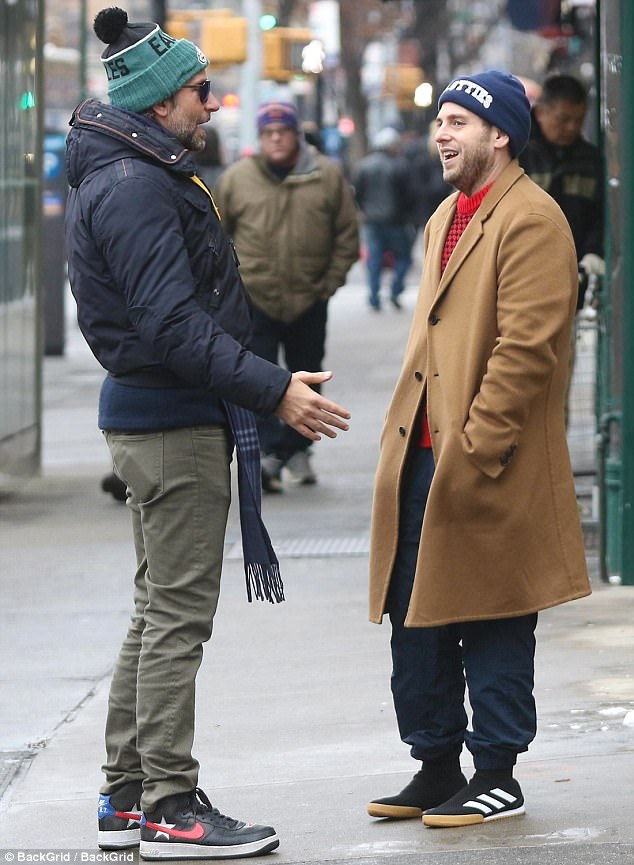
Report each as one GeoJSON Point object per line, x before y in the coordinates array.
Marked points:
{"type": "Point", "coordinates": [430, 665]}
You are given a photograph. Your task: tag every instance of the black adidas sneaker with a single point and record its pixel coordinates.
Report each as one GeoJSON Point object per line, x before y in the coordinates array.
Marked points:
{"type": "Point", "coordinates": [187, 826]}
{"type": "Point", "coordinates": [478, 802]}
{"type": "Point", "coordinates": [423, 791]}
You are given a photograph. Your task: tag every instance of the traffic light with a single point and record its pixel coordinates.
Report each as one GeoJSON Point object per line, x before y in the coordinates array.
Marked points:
{"type": "Point", "coordinates": [27, 100]}
{"type": "Point", "coordinates": [221, 35]}
{"type": "Point", "coordinates": [267, 22]}
{"type": "Point", "coordinates": [424, 95]}
{"type": "Point", "coordinates": [401, 82]}
{"type": "Point", "coordinates": [313, 56]}
{"type": "Point", "coordinates": [230, 100]}
{"type": "Point", "coordinates": [283, 52]}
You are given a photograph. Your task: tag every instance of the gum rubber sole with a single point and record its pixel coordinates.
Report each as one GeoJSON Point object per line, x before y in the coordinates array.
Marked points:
{"type": "Point", "coordinates": [448, 821]}
{"type": "Point", "coordinates": [396, 812]}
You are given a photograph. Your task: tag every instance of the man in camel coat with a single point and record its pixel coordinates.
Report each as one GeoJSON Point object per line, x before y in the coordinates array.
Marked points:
{"type": "Point", "coordinates": [475, 523]}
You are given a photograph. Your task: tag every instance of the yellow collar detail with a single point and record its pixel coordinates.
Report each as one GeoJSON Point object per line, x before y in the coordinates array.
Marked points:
{"type": "Point", "coordinates": [199, 182]}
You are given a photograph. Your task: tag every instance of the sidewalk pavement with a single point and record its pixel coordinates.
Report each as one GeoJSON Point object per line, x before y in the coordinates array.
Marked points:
{"type": "Point", "coordinates": [295, 719]}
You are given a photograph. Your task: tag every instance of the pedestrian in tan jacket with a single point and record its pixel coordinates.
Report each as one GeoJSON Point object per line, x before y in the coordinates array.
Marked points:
{"type": "Point", "coordinates": [292, 216]}
{"type": "Point", "coordinates": [475, 524]}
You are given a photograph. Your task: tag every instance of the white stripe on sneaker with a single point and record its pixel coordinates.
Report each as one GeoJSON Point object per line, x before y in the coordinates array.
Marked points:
{"type": "Point", "coordinates": [492, 804]}
{"type": "Point", "coordinates": [497, 802]}
{"type": "Point", "coordinates": [502, 794]}
{"type": "Point", "coordinates": [484, 797]}
{"type": "Point", "coordinates": [480, 806]}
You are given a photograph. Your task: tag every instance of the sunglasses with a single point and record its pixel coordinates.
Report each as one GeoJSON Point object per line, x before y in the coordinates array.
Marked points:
{"type": "Point", "coordinates": [204, 89]}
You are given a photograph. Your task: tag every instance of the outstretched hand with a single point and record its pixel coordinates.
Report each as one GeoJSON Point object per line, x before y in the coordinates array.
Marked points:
{"type": "Point", "coordinates": [309, 412]}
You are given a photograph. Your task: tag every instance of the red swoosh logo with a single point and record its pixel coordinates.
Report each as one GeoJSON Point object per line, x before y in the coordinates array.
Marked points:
{"type": "Point", "coordinates": [194, 834]}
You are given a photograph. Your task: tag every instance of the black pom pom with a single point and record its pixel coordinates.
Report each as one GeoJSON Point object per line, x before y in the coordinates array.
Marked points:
{"type": "Point", "coordinates": [109, 24]}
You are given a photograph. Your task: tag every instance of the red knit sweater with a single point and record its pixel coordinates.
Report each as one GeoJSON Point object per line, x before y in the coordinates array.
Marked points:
{"type": "Point", "coordinates": [465, 208]}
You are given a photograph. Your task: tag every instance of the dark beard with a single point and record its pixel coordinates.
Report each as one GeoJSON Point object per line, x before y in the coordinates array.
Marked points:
{"type": "Point", "coordinates": [193, 139]}
{"type": "Point", "coordinates": [474, 170]}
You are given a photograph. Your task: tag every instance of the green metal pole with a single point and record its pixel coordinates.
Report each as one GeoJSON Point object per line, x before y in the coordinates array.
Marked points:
{"type": "Point", "coordinates": [627, 157]}
{"type": "Point", "coordinates": [607, 395]}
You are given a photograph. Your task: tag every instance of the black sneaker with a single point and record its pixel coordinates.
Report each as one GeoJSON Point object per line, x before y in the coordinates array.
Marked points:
{"type": "Point", "coordinates": [478, 802]}
{"type": "Point", "coordinates": [187, 826]}
{"type": "Point", "coordinates": [119, 816]}
{"type": "Point", "coordinates": [422, 792]}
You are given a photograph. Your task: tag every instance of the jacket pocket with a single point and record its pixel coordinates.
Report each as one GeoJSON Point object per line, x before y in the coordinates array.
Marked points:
{"type": "Point", "coordinates": [209, 290]}
{"type": "Point", "coordinates": [204, 247]}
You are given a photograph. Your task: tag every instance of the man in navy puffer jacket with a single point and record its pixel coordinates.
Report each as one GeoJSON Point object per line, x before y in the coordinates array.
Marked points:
{"type": "Point", "coordinates": [162, 306]}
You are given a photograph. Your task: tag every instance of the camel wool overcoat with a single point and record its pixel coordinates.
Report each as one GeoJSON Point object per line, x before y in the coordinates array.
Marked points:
{"type": "Point", "coordinates": [488, 350]}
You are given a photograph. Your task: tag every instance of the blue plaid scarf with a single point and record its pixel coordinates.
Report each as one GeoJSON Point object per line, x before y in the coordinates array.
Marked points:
{"type": "Point", "coordinates": [261, 567]}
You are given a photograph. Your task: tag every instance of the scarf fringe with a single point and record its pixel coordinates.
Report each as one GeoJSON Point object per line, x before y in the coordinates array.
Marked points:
{"type": "Point", "coordinates": [261, 567]}
{"type": "Point", "coordinates": [265, 582]}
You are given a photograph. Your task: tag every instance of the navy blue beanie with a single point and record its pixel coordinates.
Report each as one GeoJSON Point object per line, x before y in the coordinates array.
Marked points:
{"type": "Point", "coordinates": [497, 97]}
{"type": "Point", "coordinates": [283, 113]}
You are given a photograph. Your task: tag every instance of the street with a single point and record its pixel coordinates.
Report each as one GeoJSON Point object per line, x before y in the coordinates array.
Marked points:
{"type": "Point", "coordinates": [295, 720]}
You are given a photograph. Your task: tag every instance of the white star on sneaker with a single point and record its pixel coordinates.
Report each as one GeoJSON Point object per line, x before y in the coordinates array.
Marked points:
{"type": "Point", "coordinates": [166, 835]}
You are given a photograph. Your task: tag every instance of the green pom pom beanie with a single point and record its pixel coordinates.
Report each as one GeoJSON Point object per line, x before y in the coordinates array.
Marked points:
{"type": "Point", "coordinates": [144, 65]}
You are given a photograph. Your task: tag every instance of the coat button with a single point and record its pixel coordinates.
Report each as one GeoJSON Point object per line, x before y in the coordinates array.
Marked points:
{"type": "Point", "coordinates": [401, 430]}
{"type": "Point", "coordinates": [433, 319]}
{"type": "Point", "coordinates": [418, 376]}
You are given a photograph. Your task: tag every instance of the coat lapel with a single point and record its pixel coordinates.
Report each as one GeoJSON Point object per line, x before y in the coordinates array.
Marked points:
{"type": "Point", "coordinates": [469, 238]}
{"type": "Point", "coordinates": [472, 233]}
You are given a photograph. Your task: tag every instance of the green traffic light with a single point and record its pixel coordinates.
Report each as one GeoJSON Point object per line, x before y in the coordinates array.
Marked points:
{"type": "Point", "coordinates": [27, 100]}
{"type": "Point", "coordinates": [268, 22]}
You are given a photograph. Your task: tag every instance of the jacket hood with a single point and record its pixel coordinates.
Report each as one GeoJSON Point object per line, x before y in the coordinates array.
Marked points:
{"type": "Point", "coordinates": [101, 134]}
{"type": "Point", "coordinates": [307, 162]}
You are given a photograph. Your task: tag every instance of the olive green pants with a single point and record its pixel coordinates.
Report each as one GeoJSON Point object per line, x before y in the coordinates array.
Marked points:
{"type": "Point", "coordinates": [179, 490]}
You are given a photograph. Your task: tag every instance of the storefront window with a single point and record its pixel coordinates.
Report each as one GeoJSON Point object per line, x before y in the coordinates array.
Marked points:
{"type": "Point", "coordinates": [19, 217]}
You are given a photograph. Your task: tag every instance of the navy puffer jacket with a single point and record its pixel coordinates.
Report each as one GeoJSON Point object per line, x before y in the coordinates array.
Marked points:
{"type": "Point", "coordinates": [160, 300]}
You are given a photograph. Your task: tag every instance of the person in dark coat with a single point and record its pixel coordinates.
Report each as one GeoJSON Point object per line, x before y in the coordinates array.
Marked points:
{"type": "Point", "coordinates": [426, 180]}
{"type": "Point", "coordinates": [383, 190]}
{"type": "Point", "coordinates": [162, 306]}
{"type": "Point", "coordinates": [560, 160]}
